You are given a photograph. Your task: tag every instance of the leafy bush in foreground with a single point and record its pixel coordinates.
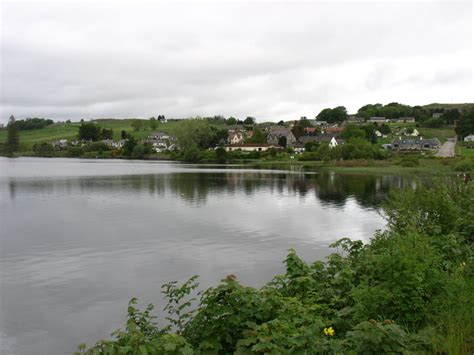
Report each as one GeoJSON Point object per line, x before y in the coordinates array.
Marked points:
{"type": "Point", "coordinates": [408, 291]}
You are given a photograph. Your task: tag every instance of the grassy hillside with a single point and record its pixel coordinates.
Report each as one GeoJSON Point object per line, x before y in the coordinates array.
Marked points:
{"type": "Point", "coordinates": [69, 130]}
{"type": "Point", "coordinates": [449, 106]}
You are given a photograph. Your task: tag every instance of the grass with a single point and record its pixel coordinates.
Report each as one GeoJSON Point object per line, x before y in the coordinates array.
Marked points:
{"type": "Point", "coordinates": [464, 152]}
{"type": "Point", "coordinates": [442, 133]}
{"type": "Point", "coordinates": [59, 131]}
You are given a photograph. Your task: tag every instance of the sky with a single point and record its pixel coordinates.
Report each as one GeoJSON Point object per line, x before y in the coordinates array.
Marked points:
{"type": "Point", "coordinates": [270, 60]}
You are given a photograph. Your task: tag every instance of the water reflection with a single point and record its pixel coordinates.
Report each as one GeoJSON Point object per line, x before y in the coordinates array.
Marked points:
{"type": "Point", "coordinates": [79, 238]}
{"type": "Point", "coordinates": [195, 187]}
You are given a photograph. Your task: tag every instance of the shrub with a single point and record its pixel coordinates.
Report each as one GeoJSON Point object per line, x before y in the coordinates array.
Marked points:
{"type": "Point", "coordinates": [409, 162]}
{"type": "Point", "coordinates": [464, 165]}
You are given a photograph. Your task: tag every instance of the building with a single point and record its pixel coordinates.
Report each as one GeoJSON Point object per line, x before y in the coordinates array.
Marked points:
{"type": "Point", "coordinates": [235, 137]}
{"type": "Point", "coordinates": [415, 144]}
{"type": "Point", "coordinates": [276, 133]}
{"type": "Point", "coordinates": [354, 119]}
{"type": "Point", "coordinates": [469, 138]}
{"type": "Point", "coordinates": [249, 147]}
{"type": "Point", "coordinates": [310, 130]}
{"type": "Point", "coordinates": [113, 144]}
{"type": "Point", "coordinates": [333, 130]}
{"type": "Point", "coordinates": [334, 142]}
{"type": "Point", "coordinates": [378, 120]}
{"type": "Point", "coordinates": [406, 120]}
{"type": "Point", "coordinates": [437, 115]}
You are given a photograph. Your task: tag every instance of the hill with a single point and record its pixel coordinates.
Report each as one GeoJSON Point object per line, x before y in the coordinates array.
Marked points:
{"type": "Point", "coordinates": [449, 106]}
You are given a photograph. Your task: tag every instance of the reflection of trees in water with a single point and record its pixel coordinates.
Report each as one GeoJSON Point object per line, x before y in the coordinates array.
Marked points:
{"type": "Point", "coordinates": [195, 187]}
{"type": "Point", "coordinates": [367, 190]}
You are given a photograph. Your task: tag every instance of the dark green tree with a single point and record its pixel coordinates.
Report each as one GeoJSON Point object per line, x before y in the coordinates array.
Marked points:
{"type": "Point", "coordinates": [335, 115]}
{"type": "Point", "coordinates": [249, 120]}
{"type": "Point", "coordinates": [231, 121]}
{"type": "Point", "coordinates": [465, 124]}
{"type": "Point", "coordinates": [89, 131]}
{"type": "Point", "coordinates": [129, 146]}
{"type": "Point", "coordinates": [282, 141]}
{"type": "Point", "coordinates": [13, 136]}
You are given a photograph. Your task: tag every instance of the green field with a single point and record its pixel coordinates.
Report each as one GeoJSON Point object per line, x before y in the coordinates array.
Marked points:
{"type": "Point", "coordinates": [59, 131]}
{"type": "Point", "coordinates": [442, 133]}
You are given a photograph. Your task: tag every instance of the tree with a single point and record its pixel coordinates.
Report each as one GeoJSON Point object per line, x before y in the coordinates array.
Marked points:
{"type": "Point", "coordinates": [335, 115]}
{"type": "Point", "coordinates": [13, 136]}
{"type": "Point", "coordinates": [195, 134]}
{"type": "Point", "coordinates": [129, 146]}
{"type": "Point", "coordinates": [281, 123]}
{"type": "Point", "coordinates": [385, 129]}
{"type": "Point", "coordinates": [89, 131]}
{"type": "Point", "coordinates": [231, 121]}
{"type": "Point", "coordinates": [352, 131]}
{"type": "Point", "coordinates": [153, 123]}
{"type": "Point", "coordinates": [465, 124]}
{"type": "Point", "coordinates": [249, 120]}
{"type": "Point", "coordinates": [282, 141]}
{"type": "Point", "coordinates": [123, 134]}
{"type": "Point", "coordinates": [258, 137]}
{"type": "Point", "coordinates": [452, 115]}
{"type": "Point", "coordinates": [221, 155]}
{"type": "Point", "coordinates": [107, 133]}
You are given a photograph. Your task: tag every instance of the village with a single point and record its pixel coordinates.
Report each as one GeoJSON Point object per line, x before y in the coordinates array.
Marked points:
{"type": "Point", "coordinates": [397, 135]}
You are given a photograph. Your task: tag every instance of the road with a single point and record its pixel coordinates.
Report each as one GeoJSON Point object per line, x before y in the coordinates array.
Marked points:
{"type": "Point", "coordinates": [447, 149]}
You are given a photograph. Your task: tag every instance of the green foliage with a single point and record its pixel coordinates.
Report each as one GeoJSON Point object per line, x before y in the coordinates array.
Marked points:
{"type": "Point", "coordinates": [465, 125]}
{"type": "Point", "coordinates": [195, 134]}
{"type": "Point", "coordinates": [464, 165]}
{"type": "Point", "coordinates": [407, 291]}
{"type": "Point", "coordinates": [372, 337]}
{"type": "Point", "coordinates": [129, 146]}
{"type": "Point", "coordinates": [140, 151]}
{"type": "Point", "coordinates": [409, 161]}
{"type": "Point", "coordinates": [178, 306]}
{"type": "Point", "coordinates": [335, 115]}
{"type": "Point", "coordinates": [258, 137]}
{"type": "Point", "coordinates": [89, 131]}
{"type": "Point", "coordinates": [33, 123]}
{"type": "Point", "coordinates": [13, 136]}
{"type": "Point", "coordinates": [221, 155]}
{"type": "Point", "coordinates": [43, 149]}
{"type": "Point", "coordinates": [96, 147]}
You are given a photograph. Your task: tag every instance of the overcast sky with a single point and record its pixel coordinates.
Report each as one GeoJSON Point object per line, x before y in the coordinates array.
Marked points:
{"type": "Point", "coordinates": [270, 60]}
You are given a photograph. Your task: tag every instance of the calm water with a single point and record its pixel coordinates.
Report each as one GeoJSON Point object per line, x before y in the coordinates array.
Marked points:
{"type": "Point", "coordinates": [79, 238]}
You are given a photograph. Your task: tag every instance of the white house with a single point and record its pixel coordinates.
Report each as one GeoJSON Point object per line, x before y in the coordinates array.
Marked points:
{"type": "Point", "coordinates": [415, 133]}
{"type": "Point", "coordinates": [333, 143]}
{"type": "Point", "coordinates": [250, 147]}
{"type": "Point", "coordinates": [469, 138]}
{"type": "Point", "coordinates": [236, 137]}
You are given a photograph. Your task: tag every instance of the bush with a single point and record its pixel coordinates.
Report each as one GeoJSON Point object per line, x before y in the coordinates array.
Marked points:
{"type": "Point", "coordinates": [43, 149]}
{"type": "Point", "coordinates": [409, 162]}
{"type": "Point", "coordinates": [464, 165]}
{"type": "Point", "coordinates": [96, 147]}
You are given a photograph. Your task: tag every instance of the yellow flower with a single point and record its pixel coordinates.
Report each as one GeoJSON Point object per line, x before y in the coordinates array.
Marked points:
{"type": "Point", "coordinates": [329, 331]}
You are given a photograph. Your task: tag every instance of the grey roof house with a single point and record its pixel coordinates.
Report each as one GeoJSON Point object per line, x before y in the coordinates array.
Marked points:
{"type": "Point", "coordinates": [277, 132]}
{"type": "Point", "coordinates": [415, 144]}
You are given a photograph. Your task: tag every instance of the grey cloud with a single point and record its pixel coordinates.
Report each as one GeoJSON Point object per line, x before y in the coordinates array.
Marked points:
{"type": "Point", "coordinates": [271, 60]}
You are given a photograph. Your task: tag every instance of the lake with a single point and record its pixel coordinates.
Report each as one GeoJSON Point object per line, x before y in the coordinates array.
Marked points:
{"type": "Point", "coordinates": [79, 238]}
